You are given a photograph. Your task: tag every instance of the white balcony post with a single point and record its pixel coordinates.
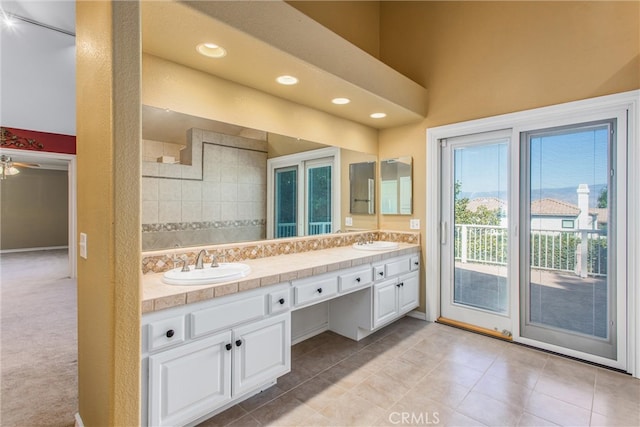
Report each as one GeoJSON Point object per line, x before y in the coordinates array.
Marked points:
{"type": "Point", "coordinates": [463, 244]}
{"type": "Point", "coordinates": [585, 253]}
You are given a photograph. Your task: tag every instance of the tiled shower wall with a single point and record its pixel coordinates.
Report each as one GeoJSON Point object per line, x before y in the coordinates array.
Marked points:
{"type": "Point", "coordinates": [224, 203]}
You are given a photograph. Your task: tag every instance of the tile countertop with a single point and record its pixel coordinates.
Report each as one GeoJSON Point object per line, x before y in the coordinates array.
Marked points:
{"type": "Point", "coordinates": [157, 295]}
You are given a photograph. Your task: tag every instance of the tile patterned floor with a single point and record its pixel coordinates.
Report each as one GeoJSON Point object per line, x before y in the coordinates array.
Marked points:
{"type": "Point", "coordinates": [425, 374]}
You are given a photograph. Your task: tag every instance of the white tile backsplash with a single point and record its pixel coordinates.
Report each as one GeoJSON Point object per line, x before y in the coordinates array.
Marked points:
{"type": "Point", "coordinates": [211, 211]}
{"type": "Point", "coordinates": [169, 211]}
{"type": "Point", "coordinates": [228, 173]}
{"type": "Point", "coordinates": [191, 190]}
{"type": "Point", "coordinates": [168, 170]}
{"type": "Point", "coordinates": [149, 189]}
{"type": "Point", "coordinates": [229, 155]}
{"type": "Point", "coordinates": [170, 190]}
{"type": "Point", "coordinates": [228, 211]}
{"type": "Point", "coordinates": [211, 191]}
{"type": "Point", "coordinates": [229, 192]}
{"type": "Point", "coordinates": [149, 213]}
{"type": "Point", "coordinates": [191, 210]}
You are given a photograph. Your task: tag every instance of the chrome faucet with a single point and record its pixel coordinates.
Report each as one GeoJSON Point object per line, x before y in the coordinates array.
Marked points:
{"type": "Point", "coordinates": [214, 261]}
{"type": "Point", "coordinates": [185, 263]}
{"type": "Point", "coordinates": [200, 259]}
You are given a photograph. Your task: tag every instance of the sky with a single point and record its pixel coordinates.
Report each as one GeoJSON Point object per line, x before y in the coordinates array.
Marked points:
{"type": "Point", "coordinates": [558, 160]}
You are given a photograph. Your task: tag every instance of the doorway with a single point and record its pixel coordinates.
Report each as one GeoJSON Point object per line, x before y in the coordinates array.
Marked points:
{"type": "Point", "coordinates": [56, 161]}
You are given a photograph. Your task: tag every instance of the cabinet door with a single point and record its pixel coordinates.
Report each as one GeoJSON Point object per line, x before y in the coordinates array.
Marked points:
{"type": "Point", "coordinates": [408, 297]}
{"type": "Point", "coordinates": [262, 352]}
{"type": "Point", "coordinates": [189, 381]}
{"type": "Point", "coordinates": [385, 302]}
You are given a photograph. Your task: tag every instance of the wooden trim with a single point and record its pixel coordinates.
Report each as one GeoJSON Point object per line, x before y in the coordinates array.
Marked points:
{"type": "Point", "coordinates": [473, 328]}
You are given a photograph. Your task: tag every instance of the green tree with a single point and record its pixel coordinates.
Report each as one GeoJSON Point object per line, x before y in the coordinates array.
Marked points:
{"type": "Point", "coordinates": [602, 198]}
{"type": "Point", "coordinates": [462, 214]}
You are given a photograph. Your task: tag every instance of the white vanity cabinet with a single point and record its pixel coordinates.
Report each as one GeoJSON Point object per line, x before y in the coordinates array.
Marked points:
{"type": "Point", "coordinates": [261, 353]}
{"type": "Point", "coordinates": [189, 381]}
{"type": "Point", "coordinates": [392, 289]}
{"type": "Point", "coordinates": [218, 357]}
{"type": "Point", "coordinates": [200, 358]}
{"type": "Point", "coordinates": [395, 296]}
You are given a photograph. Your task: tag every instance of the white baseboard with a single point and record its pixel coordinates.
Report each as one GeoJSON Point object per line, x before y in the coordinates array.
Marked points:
{"type": "Point", "coordinates": [417, 315]}
{"type": "Point", "coordinates": [43, 248]}
{"type": "Point", "coordinates": [79, 422]}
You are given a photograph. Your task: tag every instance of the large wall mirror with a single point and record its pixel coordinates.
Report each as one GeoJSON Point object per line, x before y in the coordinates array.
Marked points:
{"type": "Point", "coordinates": [205, 182]}
{"type": "Point", "coordinates": [395, 186]}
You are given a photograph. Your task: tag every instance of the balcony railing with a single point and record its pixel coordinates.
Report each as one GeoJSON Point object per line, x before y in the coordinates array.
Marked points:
{"type": "Point", "coordinates": [290, 230]}
{"type": "Point", "coordinates": [582, 252]}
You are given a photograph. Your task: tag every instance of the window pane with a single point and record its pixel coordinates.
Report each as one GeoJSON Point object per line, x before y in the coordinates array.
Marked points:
{"type": "Point", "coordinates": [480, 226]}
{"type": "Point", "coordinates": [286, 210]}
{"type": "Point", "coordinates": [319, 200]}
{"type": "Point", "coordinates": [568, 221]}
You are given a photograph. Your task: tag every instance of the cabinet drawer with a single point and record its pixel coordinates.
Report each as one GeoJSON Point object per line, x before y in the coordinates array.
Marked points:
{"type": "Point", "coordinates": [316, 290]}
{"type": "Point", "coordinates": [414, 263]}
{"type": "Point", "coordinates": [355, 279]}
{"type": "Point", "coordinates": [279, 301]}
{"type": "Point", "coordinates": [165, 333]}
{"type": "Point", "coordinates": [227, 314]}
{"type": "Point", "coordinates": [397, 267]}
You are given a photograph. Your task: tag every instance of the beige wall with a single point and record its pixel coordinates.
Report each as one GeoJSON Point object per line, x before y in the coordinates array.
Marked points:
{"type": "Point", "coordinates": [34, 209]}
{"type": "Point", "coordinates": [356, 21]}
{"type": "Point", "coordinates": [108, 176]}
{"type": "Point", "coordinates": [479, 59]}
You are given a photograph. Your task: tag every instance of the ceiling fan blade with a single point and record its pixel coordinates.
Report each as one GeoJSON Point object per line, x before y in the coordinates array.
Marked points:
{"type": "Point", "coordinates": [26, 165]}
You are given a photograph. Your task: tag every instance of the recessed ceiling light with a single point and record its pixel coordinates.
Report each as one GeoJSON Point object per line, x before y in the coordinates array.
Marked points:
{"type": "Point", "coordinates": [378, 115]}
{"type": "Point", "coordinates": [7, 20]}
{"type": "Point", "coordinates": [287, 80]}
{"type": "Point", "coordinates": [341, 101]}
{"type": "Point", "coordinates": [211, 50]}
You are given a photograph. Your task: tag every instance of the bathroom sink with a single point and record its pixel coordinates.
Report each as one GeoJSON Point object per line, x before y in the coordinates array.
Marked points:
{"type": "Point", "coordinates": [375, 246]}
{"type": "Point", "coordinates": [208, 275]}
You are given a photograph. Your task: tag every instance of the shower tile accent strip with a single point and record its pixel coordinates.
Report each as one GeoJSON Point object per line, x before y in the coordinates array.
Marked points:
{"type": "Point", "coordinates": [161, 261]}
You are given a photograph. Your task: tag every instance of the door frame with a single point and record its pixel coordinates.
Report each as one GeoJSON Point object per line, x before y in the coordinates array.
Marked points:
{"type": "Point", "coordinates": [41, 157]}
{"type": "Point", "coordinates": [521, 121]}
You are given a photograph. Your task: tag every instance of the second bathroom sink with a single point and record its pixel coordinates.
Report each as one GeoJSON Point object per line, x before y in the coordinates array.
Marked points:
{"type": "Point", "coordinates": [375, 246]}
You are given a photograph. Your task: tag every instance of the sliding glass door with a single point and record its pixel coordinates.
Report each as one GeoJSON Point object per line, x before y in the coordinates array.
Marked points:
{"type": "Point", "coordinates": [475, 239]}
{"type": "Point", "coordinates": [530, 230]}
{"type": "Point", "coordinates": [303, 195]}
{"type": "Point", "coordinates": [319, 217]}
{"type": "Point", "coordinates": [568, 217]}
{"type": "Point", "coordinates": [286, 202]}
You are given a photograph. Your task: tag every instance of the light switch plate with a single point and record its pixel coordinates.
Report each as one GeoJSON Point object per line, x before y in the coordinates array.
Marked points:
{"type": "Point", "coordinates": [83, 245]}
{"type": "Point", "coordinates": [414, 224]}
{"type": "Point", "coordinates": [348, 221]}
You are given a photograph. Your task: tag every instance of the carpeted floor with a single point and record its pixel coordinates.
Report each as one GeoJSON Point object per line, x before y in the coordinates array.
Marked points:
{"type": "Point", "coordinates": [39, 369]}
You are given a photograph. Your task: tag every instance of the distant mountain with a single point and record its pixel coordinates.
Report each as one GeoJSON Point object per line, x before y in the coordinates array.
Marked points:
{"type": "Point", "coordinates": [566, 194]}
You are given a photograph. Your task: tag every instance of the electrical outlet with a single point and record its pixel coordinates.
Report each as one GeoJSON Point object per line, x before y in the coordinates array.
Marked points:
{"type": "Point", "coordinates": [414, 224]}
{"type": "Point", "coordinates": [348, 221]}
{"type": "Point", "coordinates": [83, 245]}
